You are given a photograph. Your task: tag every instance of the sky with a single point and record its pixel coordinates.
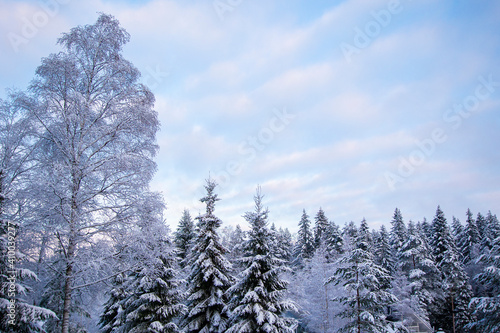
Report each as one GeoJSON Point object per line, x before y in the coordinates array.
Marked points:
{"type": "Point", "coordinates": [356, 106]}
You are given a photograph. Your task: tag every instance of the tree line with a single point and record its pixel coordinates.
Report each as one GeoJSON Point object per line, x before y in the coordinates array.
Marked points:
{"type": "Point", "coordinates": [428, 274]}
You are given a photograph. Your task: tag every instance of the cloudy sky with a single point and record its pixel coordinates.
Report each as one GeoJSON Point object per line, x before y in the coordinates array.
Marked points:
{"type": "Point", "coordinates": [355, 106]}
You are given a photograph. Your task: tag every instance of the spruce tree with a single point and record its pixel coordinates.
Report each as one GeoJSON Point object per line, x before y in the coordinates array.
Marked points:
{"type": "Point", "coordinates": [469, 245]}
{"type": "Point", "coordinates": [362, 279]}
{"type": "Point", "coordinates": [365, 233]}
{"type": "Point", "coordinates": [398, 234]}
{"type": "Point", "coordinates": [493, 225]}
{"type": "Point", "coordinates": [457, 292]}
{"type": "Point", "coordinates": [485, 236]}
{"type": "Point", "coordinates": [284, 245]}
{"type": "Point", "coordinates": [209, 278]}
{"type": "Point", "coordinates": [458, 234]}
{"type": "Point", "coordinates": [420, 272]}
{"type": "Point", "coordinates": [113, 317]}
{"type": "Point", "coordinates": [320, 228]}
{"type": "Point", "coordinates": [257, 303]}
{"type": "Point", "coordinates": [487, 308]}
{"type": "Point", "coordinates": [457, 229]}
{"type": "Point", "coordinates": [184, 236]}
{"type": "Point", "coordinates": [426, 230]}
{"type": "Point", "coordinates": [155, 303]}
{"type": "Point", "coordinates": [235, 246]}
{"type": "Point", "coordinates": [304, 248]}
{"type": "Point", "coordinates": [333, 239]}
{"type": "Point", "coordinates": [350, 231]}
{"type": "Point", "coordinates": [148, 298]}
{"type": "Point", "coordinates": [382, 251]}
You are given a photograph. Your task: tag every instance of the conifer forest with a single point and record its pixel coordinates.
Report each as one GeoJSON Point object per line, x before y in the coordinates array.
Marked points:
{"type": "Point", "coordinates": [85, 245]}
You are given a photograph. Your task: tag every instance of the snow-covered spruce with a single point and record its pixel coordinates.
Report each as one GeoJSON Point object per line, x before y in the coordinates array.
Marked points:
{"type": "Point", "coordinates": [452, 309]}
{"type": "Point", "coordinates": [148, 298]}
{"type": "Point", "coordinates": [362, 280]}
{"type": "Point", "coordinates": [468, 241]}
{"type": "Point", "coordinates": [209, 278]}
{"type": "Point", "coordinates": [257, 303]}
{"type": "Point", "coordinates": [487, 308]}
{"type": "Point", "coordinates": [421, 274]}
{"type": "Point", "coordinates": [113, 317]}
{"type": "Point", "coordinates": [184, 236]}
{"type": "Point", "coordinates": [304, 247]}
{"type": "Point", "coordinates": [382, 250]}
{"type": "Point", "coordinates": [155, 301]}
{"type": "Point", "coordinates": [397, 235]}
{"type": "Point", "coordinates": [284, 245]}
{"type": "Point", "coordinates": [320, 227]}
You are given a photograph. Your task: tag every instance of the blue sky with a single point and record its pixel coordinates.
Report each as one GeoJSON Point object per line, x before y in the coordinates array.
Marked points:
{"type": "Point", "coordinates": [356, 106]}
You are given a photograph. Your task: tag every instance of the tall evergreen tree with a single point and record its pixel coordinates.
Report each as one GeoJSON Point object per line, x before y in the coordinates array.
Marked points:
{"type": "Point", "coordinates": [366, 235]}
{"type": "Point", "coordinates": [235, 244]}
{"type": "Point", "coordinates": [469, 245]}
{"type": "Point", "coordinates": [398, 234]}
{"type": "Point", "coordinates": [457, 292]}
{"type": "Point", "coordinates": [284, 245]}
{"type": "Point", "coordinates": [362, 279]}
{"type": "Point", "coordinates": [320, 227]}
{"type": "Point", "coordinates": [420, 272]}
{"type": "Point", "coordinates": [113, 317]}
{"type": "Point", "coordinates": [148, 298]}
{"type": "Point", "coordinates": [485, 236]}
{"type": "Point", "coordinates": [426, 230]}
{"type": "Point", "coordinates": [274, 241]}
{"type": "Point", "coordinates": [333, 239]}
{"type": "Point", "coordinates": [382, 251]}
{"type": "Point", "coordinates": [257, 298]}
{"type": "Point", "coordinates": [487, 308]}
{"type": "Point", "coordinates": [350, 231]}
{"type": "Point", "coordinates": [493, 225]}
{"type": "Point", "coordinates": [209, 278]}
{"type": "Point", "coordinates": [458, 234]}
{"type": "Point", "coordinates": [184, 236]}
{"type": "Point", "coordinates": [155, 303]}
{"type": "Point", "coordinates": [456, 229]}
{"type": "Point", "coordinates": [304, 248]}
